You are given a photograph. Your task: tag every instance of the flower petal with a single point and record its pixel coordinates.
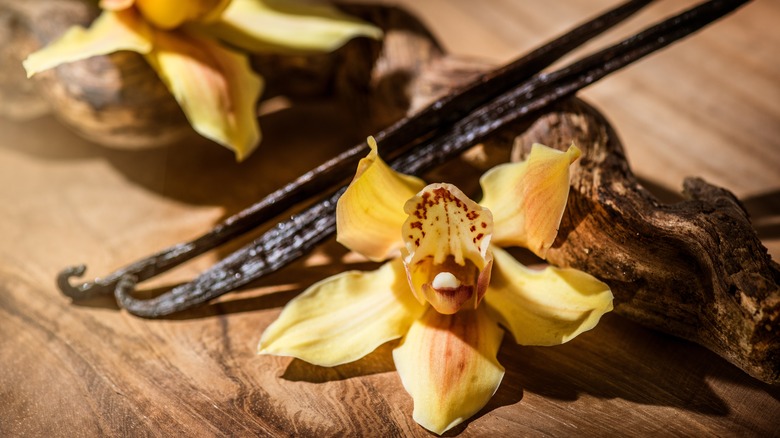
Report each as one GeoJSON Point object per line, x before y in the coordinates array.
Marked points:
{"type": "Point", "coordinates": [214, 86]}
{"type": "Point", "coordinates": [547, 307]}
{"type": "Point", "coordinates": [344, 317]}
{"type": "Point", "coordinates": [448, 365]}
{"type": "Point", "coordinates": [370, 213]}
{"type": "Point", "coordinates": [446, 238]}
{"type": "Point", "coordinates": [110, 32]}
{"type": "Point", "coordinates": [528, 198]}
{"type": "Point", "coordinates": [167, 14]}
{"type": "Point", "coordinates": [273, 25]}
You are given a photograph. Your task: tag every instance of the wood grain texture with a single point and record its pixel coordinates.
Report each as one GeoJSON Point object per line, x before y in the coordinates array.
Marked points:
{"type": "Point", "coordinates": [619, 232]}
{"type": "Point", "coordinates": [707, 107]}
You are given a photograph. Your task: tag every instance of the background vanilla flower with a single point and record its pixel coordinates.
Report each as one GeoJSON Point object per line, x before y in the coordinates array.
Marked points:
{"type": "Point", "coordinates": [198, 49]}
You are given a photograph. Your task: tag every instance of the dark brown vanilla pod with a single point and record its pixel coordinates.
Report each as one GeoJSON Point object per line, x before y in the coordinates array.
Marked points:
{"type": "Point", "coordinates": [292, 238]}
{"type": "Point", "coordinates": [426, 122]}
{"type": "Point", "coordinates": [276, 248]}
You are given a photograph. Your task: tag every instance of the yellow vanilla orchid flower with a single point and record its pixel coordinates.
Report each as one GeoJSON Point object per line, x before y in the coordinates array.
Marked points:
{"type": "Point", "coordinates": [182, 41]}
{"type": "Point", "coordinates": [451, 289]}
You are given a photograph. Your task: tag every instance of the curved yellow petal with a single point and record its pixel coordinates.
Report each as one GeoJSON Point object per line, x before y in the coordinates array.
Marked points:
{"type": "Point", "coordinates": [547, 307]}
{"type": "Point", "coordinates": [110, 32]}
{"type": "Point", "coordinates": [446, 237]}
{"type": "Point", "coordinates": [370, 214]}
{"type": "Point", "coordinates": [528, 198]}
{"type": "Point", "coordinates": [344, 317]}
{"type": "Point", "coordinates": [215, 87]}
{"type": "Point", "coordinates": [448, 365]}
{"type": "Point", "coordinates": [273, 25]}
{"type": "Point", "coordinates": [167, 14]}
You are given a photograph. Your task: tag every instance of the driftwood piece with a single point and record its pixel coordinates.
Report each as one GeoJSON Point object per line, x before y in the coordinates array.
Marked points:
{"type": "Point", "coordinates": [694, 269]}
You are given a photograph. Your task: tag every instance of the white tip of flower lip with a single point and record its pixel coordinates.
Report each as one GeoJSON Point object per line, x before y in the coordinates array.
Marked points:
{"type": "Point", "coordinates": [445, 280]}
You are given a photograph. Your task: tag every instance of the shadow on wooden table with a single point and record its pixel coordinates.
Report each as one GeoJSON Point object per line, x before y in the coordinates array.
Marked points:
{"type": "Point", "coordinates": [197, 171]}
{"type": "Point", "coordinates": [622, 360]}
{"type": "Point", "coordinates": [764, 210]}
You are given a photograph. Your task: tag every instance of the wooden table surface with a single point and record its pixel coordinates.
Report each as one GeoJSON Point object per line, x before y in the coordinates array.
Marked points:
{"type": "Point", "coordinates": [708, 106]}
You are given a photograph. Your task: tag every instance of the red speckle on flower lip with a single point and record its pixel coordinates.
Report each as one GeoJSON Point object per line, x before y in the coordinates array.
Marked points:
{"type": "Point", "coordinates": [455, 218]}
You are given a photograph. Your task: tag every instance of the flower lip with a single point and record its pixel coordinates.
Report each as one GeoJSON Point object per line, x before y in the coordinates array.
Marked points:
{"type": "Point", "coordinates": [450, 300]}
{"type": "Point", "coordinates": [451, 286]}
{"type": "Point", "coordinates": [446, 237]}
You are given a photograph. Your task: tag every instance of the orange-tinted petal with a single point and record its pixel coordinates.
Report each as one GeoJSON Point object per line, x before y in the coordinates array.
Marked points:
{"type": "Point", "coordinates": [370, 213]}
{"type": "Point", "coordinates": [448, 365]}
{"type": "Point", "coordinates": [528, 198]}
{"type": "Point", "coordinates": [215, 87]}
{"type": "Point", "coordinates": [547, 307]}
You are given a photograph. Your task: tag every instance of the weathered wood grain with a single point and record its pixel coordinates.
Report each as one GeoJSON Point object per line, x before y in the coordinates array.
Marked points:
{"type": "Point", "coordinates": [693, 268]}
{"type": "Point", "coordinates": [91, 370]}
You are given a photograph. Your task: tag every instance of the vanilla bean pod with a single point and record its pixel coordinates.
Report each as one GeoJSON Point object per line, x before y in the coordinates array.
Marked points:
{"type": "Point", "coordinates": [293, 238]}
{"type": "Point", "coordinates": [443, 112]}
